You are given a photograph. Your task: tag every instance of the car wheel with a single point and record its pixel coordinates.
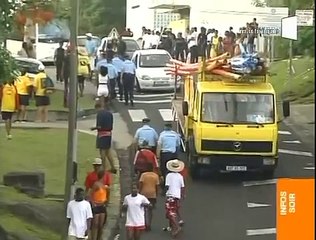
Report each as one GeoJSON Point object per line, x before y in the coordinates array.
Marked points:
{"type": "Point", "coordinates": [137, 85]}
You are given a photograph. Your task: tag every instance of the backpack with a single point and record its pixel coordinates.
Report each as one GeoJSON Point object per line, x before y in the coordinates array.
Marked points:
{"type": "Point", "coordinates": [141, 162]}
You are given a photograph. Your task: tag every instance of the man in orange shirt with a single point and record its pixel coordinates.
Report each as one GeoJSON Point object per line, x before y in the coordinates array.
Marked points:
{"type": "Point", "coordinates": [9, 104]}
{"type": "Point", "coordinates": [148, 186]}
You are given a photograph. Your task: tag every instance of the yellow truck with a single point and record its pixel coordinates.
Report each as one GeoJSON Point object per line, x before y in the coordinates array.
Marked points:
{"type": "Point", "coordinates": [229, 125]}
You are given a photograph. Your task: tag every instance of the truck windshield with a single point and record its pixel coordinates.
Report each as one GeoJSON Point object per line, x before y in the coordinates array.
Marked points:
{"type": "Point", "coordinates": [237, 108]}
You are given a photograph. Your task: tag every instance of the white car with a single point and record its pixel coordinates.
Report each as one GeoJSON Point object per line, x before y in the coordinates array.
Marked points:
{"type": "Point", "coordinates": [150, 70]}
{"type": "Point", "coordinates": [29, 64]}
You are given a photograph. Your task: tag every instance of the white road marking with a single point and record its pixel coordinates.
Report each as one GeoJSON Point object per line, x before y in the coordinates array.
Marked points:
{"type": "Point", "coordinates": [153, 101]}
{"type": "Point", "coordinates": [259, 183]}
{"type": "Point", "coordinates": [298, 153]}
{"type": "Point", "coordinates": [263, 231]}
{"type": "Point", "coordinates": [257, 205]}
{"type": "Point", "coordinates": [166, 115]}
{"type": "Point", "coordinates": [309, 168]}
{"type": "Point", "coordinates": [284, 132]}
{"type": "Point", "coordinates": [154, 95]}
{"type": "Point", "coordinates": [137, 115]}
{"type": "Point", "coordinates": [294, 141]}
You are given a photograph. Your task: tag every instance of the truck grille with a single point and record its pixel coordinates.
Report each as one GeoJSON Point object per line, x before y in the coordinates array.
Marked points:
{"type": "Point", "coordinates": [236, 146]}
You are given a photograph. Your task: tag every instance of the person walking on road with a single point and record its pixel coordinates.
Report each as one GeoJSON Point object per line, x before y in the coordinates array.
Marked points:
{"type": "Point", "coordinates": [79, 215]}
{"type": "Point", "coordinates": [9, 104]}
{"type": "Point", "coordinates": [118, 64]}
{"type": "Point", "coordinates": [146, 133]}
{"type": "Point", "coordinates": [113, 75]}
{"type": "Point", "coordinates": [104, 126]}
{"type": "Point", "coordinates": [91, 47]}
{"type": "Point", "coordinates": [92, 177]}
{"type": "Point", "coordinates": [128, 81]}
{"type": "Point", "coordinates": [99, 200]}
{"type": "Point", "coordinates": [59, 60]}
{"type": "Point", "coordinates": [148, 186]}
{"type": "Point", "coordinates": [143, 157]}
{"type": "Point", "coordinates": [168, 145]}
{"type": "Point", "coordinates": [83, 68]}
{"type": "Point", "coordinates": [23, 85]}
{"type": "Point", "coordinates": [175, 190]}
{"type": "Point", "coordinates": [134, 205]}
{"type": "Point", "coordinates": [103, 86]}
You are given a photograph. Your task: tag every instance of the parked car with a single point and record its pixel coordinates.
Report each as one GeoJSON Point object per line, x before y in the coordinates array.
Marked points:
{"type": "Point", "coordinates": [150, 70]}
{"type": "Point", "coordinates": [131, 45]}
{"type": "Point", "coordinates": [30, 64]}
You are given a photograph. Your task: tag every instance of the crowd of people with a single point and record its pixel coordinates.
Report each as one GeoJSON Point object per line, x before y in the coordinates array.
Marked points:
{"type": "Point", "coordinates": [206, 43]}
{"type": "Point", "coordinates": [155, 164]}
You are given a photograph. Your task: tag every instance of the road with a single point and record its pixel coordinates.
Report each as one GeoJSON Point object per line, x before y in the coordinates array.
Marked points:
{"type": "Point", "coordinates": [232, 207]}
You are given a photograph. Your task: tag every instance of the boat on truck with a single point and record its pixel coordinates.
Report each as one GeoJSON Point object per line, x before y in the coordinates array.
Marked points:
{"type": "Point", "coordinates": [229, 125]}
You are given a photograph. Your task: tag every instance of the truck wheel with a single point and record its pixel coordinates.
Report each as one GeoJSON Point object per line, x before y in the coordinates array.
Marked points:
{"type": "Point", "coordinates": [192, 159]}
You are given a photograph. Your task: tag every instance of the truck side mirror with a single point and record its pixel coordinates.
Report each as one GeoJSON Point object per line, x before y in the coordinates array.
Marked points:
{"type": "Point", "coordinates": [185, 108]}
{"type": "Point", "coordinates": [286, 108]}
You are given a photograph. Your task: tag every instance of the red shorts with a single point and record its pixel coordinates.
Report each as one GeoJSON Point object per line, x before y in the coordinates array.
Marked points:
{"type": "Point", "coordinates": [172, 206]}
{"type": "Point", "coordinates": [135, 228]}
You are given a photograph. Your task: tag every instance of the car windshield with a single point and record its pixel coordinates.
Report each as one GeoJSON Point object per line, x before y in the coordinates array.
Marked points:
{"type": "Point", "coordinates": [82, 41]}
{"type": "Point", "coordinates": [30, 67]}
{"type": "Point", "coordinates": [237, 108]}
{"type": "Point", "coordinates": [154, 60]}
{"type": "Point", "coordinates": [131, 45]}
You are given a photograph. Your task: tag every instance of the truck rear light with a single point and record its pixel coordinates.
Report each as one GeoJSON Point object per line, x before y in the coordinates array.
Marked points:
{"type": "Point", "coordinates": [269, 161]}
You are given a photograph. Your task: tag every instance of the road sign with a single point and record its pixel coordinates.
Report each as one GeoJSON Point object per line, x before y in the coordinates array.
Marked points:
{"type": "Point", "coordinates": [305, 17]}
{"type": "Point", "coordinates": [114, 34]}
{"type": "Point", "coordinates": [269, 20]}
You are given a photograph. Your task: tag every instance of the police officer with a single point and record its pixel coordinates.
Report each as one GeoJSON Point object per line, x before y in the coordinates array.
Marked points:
{"type": "Point", "coordinates": [167, 149]}
{"type": "Point", "coordinates": [128, 72]}
{"type": "Point", "coordinates": [148, 134]}
{"type": "Point", "coordinates": [113, 75]}
{"type": "Point", "coordinates": [118, 64]}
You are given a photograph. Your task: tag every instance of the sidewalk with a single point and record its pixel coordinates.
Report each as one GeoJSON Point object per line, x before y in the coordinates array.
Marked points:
{"type": "Point", "coordinates": [302, 121]}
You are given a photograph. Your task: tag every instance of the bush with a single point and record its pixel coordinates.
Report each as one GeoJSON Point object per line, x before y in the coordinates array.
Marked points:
{"type": "Point", "coordinates": [7, 65]}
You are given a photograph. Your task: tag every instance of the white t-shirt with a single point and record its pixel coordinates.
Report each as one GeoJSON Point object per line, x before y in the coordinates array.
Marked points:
{"type": "Point", "coordinates": [79, 213]}
{"type": "Point", "coordinates": [155, 39]}
{"type": "Point", "coordinates": [103, 79]}
{"type": "Point", "coordinates": [209, 37]}
{"type": "Point", "coordinates": [135, 216]}
{"type": "Point", "coordinates": [175, 182]}
{"type": "Point", "coordinates": [192, 40]}
{"type": "Point", "coordinates": [146, 41]}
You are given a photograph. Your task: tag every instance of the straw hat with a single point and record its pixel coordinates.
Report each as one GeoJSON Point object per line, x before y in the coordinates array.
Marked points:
{"type": "Point", "coordinates": [175, 165]}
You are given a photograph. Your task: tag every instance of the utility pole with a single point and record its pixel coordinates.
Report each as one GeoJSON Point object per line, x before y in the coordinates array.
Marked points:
{"type": "Point", "coordinates": [72, 104]}
{"type": "Point", "coordinates": [291, 13]}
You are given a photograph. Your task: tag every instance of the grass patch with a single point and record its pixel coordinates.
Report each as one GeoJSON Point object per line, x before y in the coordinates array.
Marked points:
{"type": "Point", "coordinates": [45, 150]}
{"type": "Point", "coordinates": [11, 223]}
{"type": "Point", "coordinates": [302, 87]}
{"type": "Point", "coordinates": [57, 102]}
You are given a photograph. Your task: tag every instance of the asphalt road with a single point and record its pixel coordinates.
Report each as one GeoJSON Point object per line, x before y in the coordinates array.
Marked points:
{"type": "Point", "coordinates": [232, 207]}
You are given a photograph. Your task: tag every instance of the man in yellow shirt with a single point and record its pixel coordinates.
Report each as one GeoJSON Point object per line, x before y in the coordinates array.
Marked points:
{"type": "Point", "coordinates": [23, 85]}
{"type": "Point", "coordinates": [42, 99]}
{"type": "Point", "coordinates": [8, 105]}
{"type": "Point", "coordinates": [214, 49]}
{"type": "Point", "coordinates": [83, 68]}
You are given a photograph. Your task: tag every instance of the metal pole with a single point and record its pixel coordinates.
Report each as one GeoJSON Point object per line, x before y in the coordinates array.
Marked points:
{"type": "Point", "coordinates": [175, 84]}
{"type": "Point", "coordinates": [291, 61]}
{"type": "Point", "coordinates": [73, 92]}
{"type": "Point", "coordinates": [272, 49]}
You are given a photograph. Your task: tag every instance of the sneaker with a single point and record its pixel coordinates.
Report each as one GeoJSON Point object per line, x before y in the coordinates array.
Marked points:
{"type": "Point", "coordinates": [181, 222]}
{"type": "Point", "coordinates": [9, 137]}
{"type": "Point", "coordinates": [166, 229]}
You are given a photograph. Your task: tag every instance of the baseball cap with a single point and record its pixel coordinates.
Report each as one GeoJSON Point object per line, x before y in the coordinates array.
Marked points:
{"type": "Point", "coordinates": [97, 161]}
{"type": "Point", "coordinates": [146, 120]}
{"type": "Point", "coordinates": [41, 67]}
{"type": "Point", "coordinates": [89, 34]}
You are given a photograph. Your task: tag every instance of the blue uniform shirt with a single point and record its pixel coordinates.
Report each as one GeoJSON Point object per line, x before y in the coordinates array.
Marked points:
{"type": "Point", "coordinates": [112, 72]}
{"type": "Point", "coordinates": [129, 67]}
{"type": "Point", "coordinates": [91, 46]}
{"type": "Point", "coordinates": [101, 62]}
{"type": "Point", "coordinates": [118, 64]}
{"type": "Point", "coordinates": [146, 133]}
{"type": "Point", "coordinates": [169, 141]}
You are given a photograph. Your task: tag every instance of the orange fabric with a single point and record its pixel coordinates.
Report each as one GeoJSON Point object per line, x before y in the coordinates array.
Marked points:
{"type": "Point", "coordinates": [150, 181]}
{"type": "Point", "coordinates": [99, 196]}
{"type": "Point", "coordinates": [295, 209]}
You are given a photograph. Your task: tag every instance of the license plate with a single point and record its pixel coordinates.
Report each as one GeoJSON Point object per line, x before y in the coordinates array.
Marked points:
{"type": "Point", "coordinates": [161, 83]}
{"type": "Point", "coordinates": [236, 168]}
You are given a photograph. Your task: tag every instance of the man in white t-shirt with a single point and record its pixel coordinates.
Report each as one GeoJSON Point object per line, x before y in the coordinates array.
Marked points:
{"type": "Point", "coordinates": [147, 40]}
{"type": "Point", "coordinates": [79, 215]}
{"type": "Point", "coordinates": [175, 184]}
{"type": "Point", "coordinates": [134, 205]}
{"type": "Point", "coordinates": [155, 39]}
{"type": "Point", "coordinates": [193, 47]}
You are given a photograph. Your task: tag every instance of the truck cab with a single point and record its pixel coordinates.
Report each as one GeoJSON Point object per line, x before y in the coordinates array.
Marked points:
{"type": "Point", "coordinates": [228, 125]}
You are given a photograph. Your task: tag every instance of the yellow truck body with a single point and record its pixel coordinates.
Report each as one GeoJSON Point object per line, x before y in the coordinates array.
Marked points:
{"type": "Point", "coordinates": [228, 125]}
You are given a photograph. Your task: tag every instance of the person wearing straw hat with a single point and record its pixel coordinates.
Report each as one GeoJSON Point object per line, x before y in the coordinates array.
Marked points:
{"type": "Point", "coordinates": [175, 190]}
